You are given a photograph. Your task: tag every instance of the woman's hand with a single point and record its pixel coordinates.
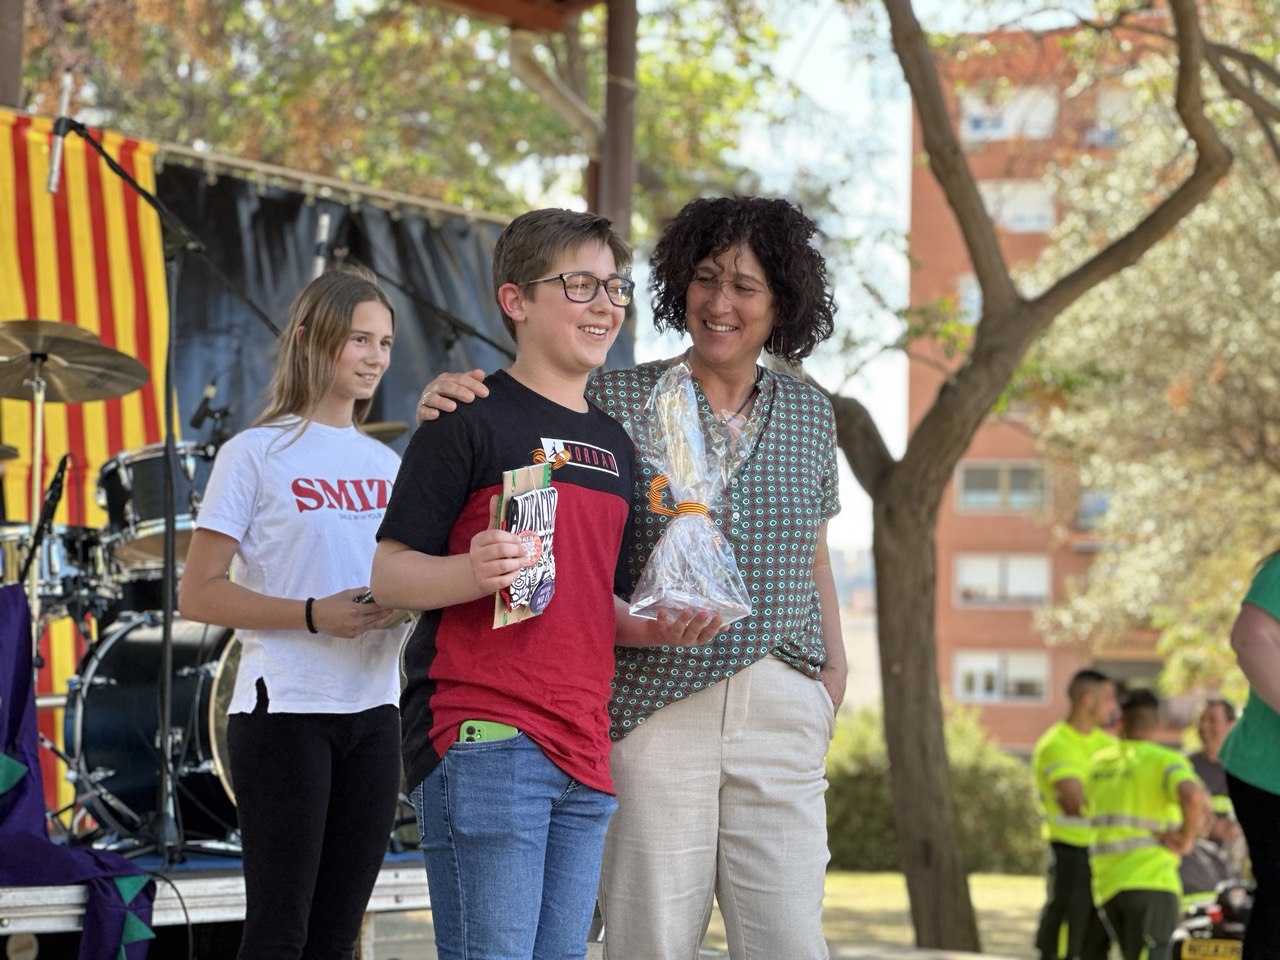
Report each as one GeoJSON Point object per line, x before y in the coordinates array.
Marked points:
{"type": "Point", "coordinates": [339, 615]}
{"type": "Point", "coordinates": [445, 392]}
{"type": "Point", "coordinates": [687, 628]}
{"type": "Point", "coordinates": [835, 679]}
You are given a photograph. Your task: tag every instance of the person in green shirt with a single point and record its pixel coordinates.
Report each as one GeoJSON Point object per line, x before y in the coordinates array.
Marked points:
{"type": "Point", "coordinates": [1146, 808]}
{"type": "Point", "coordinates": [1069, 926]}
{"type": "Point", "coordinates": [1251, 754]}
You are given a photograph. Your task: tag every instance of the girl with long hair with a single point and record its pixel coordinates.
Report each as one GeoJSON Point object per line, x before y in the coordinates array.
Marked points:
{"type": "Point", "coordinates": [291, 509]}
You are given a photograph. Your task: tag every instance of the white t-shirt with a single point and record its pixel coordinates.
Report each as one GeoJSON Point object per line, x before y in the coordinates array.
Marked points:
{"type": "Point", "coordinates": [305, 514]}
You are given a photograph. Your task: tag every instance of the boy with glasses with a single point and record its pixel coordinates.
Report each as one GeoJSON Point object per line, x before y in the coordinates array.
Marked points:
{"type": "Point", "coordinates": [506, 730]}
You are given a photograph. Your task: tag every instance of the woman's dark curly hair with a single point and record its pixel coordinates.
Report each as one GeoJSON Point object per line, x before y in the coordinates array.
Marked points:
{"type": "Point", "coordinates": [778, 233]}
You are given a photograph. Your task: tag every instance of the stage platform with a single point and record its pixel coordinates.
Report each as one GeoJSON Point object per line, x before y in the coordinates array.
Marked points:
{"type": "Point", "coordinates": [209, 889]}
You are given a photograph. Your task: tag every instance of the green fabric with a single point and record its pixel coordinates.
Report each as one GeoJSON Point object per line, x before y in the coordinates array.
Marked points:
{"type": "Point", "coordinates": [1252, 750]}
{"type": "Point", "coordinates": [1063, 753]}
{"type": "Point", "coordinates": [130, 887]}
{"type": "Point", "coordinates": [135, 930]}
{"type": "Point", "coordinates": [1137, 781]}
{"type": "Point", "coordinates": [11, 771]}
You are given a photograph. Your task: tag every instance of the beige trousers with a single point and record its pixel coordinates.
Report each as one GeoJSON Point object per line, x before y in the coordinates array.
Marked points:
{"type": "Point", "coordinates": [722, 793]}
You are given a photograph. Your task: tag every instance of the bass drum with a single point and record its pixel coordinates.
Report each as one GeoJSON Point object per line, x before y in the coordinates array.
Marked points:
{"type": "Point", "coordinates": [112, 732]}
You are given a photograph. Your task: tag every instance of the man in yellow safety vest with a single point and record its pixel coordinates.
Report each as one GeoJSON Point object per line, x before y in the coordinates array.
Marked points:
{"type": "Point", "coordinates": [1146, 808]}
{"type": "Point", "coordinates": [1069, 926]}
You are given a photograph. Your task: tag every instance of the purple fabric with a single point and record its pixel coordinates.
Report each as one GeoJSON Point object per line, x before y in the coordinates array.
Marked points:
{"type": "Point", "coordinates": [27, 856]}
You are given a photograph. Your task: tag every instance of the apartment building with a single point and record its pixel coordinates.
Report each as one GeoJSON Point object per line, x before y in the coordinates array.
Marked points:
{"type": "Point", "coordinates": [1013, 530]}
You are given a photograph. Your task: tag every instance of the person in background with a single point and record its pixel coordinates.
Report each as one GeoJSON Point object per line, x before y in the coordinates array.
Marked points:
{"type": "Point", "coordinates": [1069, 925]}
{"type": "Point", "coordinates": [291, 508]}
{"type": "Point", "coordinates": [1251, 754]}
{"type": "Point", "coordinates": [1146, 809]}
{"type": "Point", "coordinates": [1223, 840]}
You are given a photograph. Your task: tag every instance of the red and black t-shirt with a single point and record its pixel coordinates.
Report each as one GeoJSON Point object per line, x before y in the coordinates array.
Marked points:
{"type": "Point", "coordinates": [551, 676]}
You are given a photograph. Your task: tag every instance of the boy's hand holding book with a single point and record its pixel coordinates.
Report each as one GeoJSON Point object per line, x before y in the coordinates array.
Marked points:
{"type": "Point", "coordinates": [496, 555]}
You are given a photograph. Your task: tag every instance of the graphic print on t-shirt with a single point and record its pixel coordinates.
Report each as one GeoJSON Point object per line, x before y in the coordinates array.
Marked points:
{"type": "Point", "coordinates": [551, 675]}
{"type": "Point", "coordinates": [349, 496]}
{"type": "Point", "coordinates": [580, 454]}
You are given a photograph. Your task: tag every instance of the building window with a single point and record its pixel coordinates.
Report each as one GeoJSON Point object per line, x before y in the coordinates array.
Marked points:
{"type": "Point", "coordinates": [988, 676]}
{"type": "Point", "coordinates": [1002, 579]}
{"type": "Point", "coordinates": [1093, 507]}
{"type": "Point", "coordinates": [1019, 206]}
{"type": "Point", "coordinates": [968, 299]}
{"type": "Point", "coordinates": [1013, 487]}
{"type": "Point", "coordinates": [1025, 112]}
{"type": "Point", "coordinates": [1115, 111]}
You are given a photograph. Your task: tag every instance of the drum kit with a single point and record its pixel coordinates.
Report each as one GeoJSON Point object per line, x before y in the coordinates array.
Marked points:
{"type": "Point", "coordinates": [111, 724]}
{"type": "Point", "coordinates": [111, 728]}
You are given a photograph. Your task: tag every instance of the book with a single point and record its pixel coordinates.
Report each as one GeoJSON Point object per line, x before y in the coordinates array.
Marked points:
{"type": "Point", "coordinates": [527, 508]}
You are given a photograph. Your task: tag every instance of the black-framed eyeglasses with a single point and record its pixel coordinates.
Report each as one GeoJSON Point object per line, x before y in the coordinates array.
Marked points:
{"type": "Point", "coordinates": [581, 287]}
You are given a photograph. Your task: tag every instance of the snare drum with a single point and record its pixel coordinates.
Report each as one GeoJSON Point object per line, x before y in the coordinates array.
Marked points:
{"type": "Point", "coordinates": [131, 490]}
{"type": "Point", "coordinates": [71, 568]}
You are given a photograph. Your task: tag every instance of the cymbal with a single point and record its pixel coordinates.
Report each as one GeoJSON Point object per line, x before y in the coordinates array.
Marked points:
{"type": "Point", "coordinates": [77, 366]}
{"type": "Point", "coordinates": [35, 329]}
{"type": "Point", "coordinates": [7, 452]}
{"type": "Point", "coordinates": [385, 430]}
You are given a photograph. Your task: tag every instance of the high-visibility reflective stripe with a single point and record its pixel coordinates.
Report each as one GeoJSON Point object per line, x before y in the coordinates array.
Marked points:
{"type": "Point", "coordinates": [1064, 820]}
{"type": "Point", "coordinates": [1122, 846]}
{"type": "Point", "coordinates": [1126, 820]}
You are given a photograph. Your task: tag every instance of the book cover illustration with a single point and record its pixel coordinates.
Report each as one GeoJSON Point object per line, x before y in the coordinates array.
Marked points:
{"type": "Point", "coordinates": [527, 508]}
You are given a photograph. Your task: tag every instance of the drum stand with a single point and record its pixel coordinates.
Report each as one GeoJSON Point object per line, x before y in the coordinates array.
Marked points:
{"type": "Point", "coordinates": [38, 385]}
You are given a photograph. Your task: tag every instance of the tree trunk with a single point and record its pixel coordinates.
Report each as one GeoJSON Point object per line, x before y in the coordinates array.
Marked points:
{"type": "Point", "coordinates": [11, 53]}
{"type": "Point", "coordinates": [617, 151]}
{"type": "Point", "coordinates": [923, 808]}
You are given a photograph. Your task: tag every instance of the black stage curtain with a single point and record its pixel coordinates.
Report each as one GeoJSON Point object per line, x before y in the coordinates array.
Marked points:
{"type": "Point", "coordinates": [436, 270]}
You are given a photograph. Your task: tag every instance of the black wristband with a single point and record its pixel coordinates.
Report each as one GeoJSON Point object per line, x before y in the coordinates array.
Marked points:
{"type": "Point", "coordinates": [311, 626]}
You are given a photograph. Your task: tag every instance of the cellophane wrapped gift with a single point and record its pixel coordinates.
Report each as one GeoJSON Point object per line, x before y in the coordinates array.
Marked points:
{"type": "Point", "coordinates": [693, 566]}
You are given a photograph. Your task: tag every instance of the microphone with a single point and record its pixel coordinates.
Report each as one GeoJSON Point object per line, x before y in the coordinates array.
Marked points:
{"type": "Point", "coordinates": [206, 406]}
{"type": "Point", "coordinates": [60, 128]}
{"type": "Point", "coordinates": [322, 243]}
{"type": "Point", "coordinates": [52, 497]}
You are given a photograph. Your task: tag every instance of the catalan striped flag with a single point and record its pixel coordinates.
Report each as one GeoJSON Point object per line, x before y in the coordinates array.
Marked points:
{"type": "Point", "coordinates": [90, 256]}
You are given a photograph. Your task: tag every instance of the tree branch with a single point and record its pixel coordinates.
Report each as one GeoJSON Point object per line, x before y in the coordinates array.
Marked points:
{"type": "Point", "coordinates": [946, 159]}
{"type": "Point", "coordinates": [856, 433]}
{"type": "Point", "coordinates": [863, 446]}
{"type": "Point", "coordinates": [1213, 160]}
{"type": "Point", "coordinates": [1264, 111]}
{"type": "Point", "coordinates": [1244, 92]}
{"type": "Point", "coordinates": [1251, 62]}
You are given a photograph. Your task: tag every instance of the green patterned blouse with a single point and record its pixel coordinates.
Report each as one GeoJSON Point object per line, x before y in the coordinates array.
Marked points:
{"type": "Point", "coordinates": [779, 496]}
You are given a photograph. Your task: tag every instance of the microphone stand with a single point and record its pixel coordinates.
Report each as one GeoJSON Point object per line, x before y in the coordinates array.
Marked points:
{"type": "Point", "coordinates": [166, 831]}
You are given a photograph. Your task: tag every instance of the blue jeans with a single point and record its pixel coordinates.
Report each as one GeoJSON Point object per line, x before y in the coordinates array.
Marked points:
{"type": "Point", "coordinates": [512, 846]}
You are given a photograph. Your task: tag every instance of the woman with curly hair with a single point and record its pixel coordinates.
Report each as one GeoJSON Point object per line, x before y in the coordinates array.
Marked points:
{"type": "Point", "coordinates": [721, 734]}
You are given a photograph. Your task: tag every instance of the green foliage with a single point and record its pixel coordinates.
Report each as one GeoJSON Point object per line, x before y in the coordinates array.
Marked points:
{"type": "Point", "coordinates": [994, 797]}
{"type": "Point", "coordinates": [406, 95]}
{"type": "Point", "coordinates": [1174, 398]}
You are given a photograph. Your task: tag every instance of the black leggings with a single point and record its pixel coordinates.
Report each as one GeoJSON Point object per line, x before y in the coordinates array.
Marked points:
{"type": "Point", "coordinates": [1259, 814]}
{"type": "Point", "coordinates": [316, 795]}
